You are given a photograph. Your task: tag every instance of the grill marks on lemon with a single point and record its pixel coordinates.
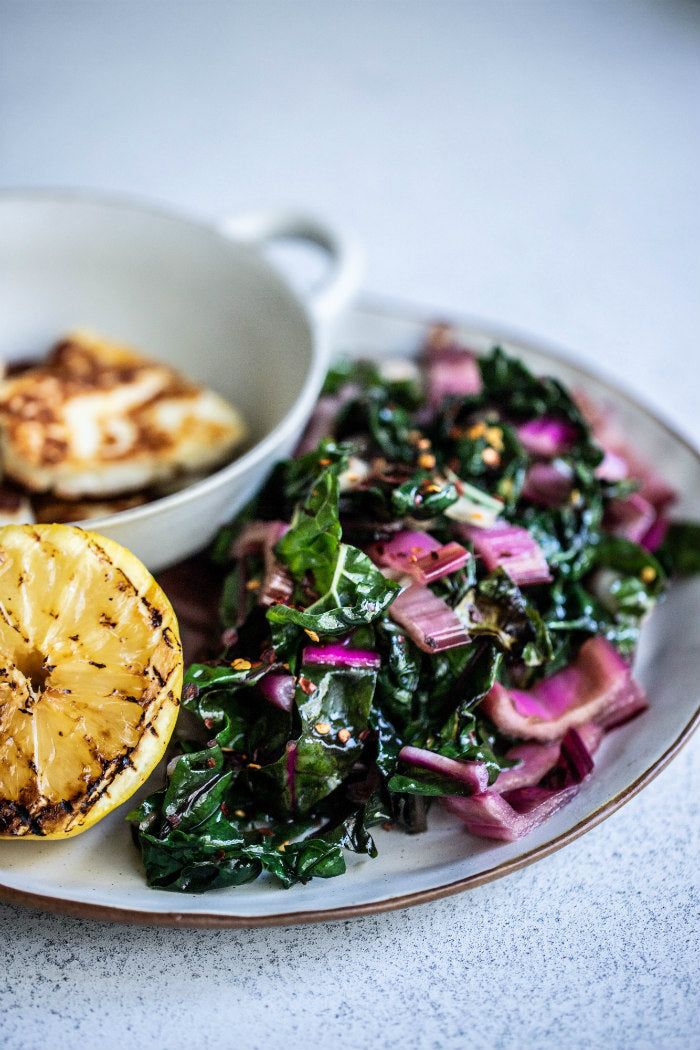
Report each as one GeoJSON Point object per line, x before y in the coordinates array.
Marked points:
{"type": "Point", "coordinates": [90, 678]}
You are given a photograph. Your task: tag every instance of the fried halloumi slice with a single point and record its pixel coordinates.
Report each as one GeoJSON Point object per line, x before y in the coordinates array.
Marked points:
{"type": "Point", "coordinates": [97, 420]}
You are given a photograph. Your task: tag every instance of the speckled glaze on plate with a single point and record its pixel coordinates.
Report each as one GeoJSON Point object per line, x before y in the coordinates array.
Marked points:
{"type": "Point", "coordinates": [99, 874]}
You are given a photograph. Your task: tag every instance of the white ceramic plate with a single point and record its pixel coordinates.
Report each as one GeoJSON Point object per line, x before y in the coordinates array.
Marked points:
{"type": "Point", "coordinates": [99, 874]}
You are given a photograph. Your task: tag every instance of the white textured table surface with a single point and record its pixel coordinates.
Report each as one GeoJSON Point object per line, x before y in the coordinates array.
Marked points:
{"type": "Point", "coordinates": [532, 163]}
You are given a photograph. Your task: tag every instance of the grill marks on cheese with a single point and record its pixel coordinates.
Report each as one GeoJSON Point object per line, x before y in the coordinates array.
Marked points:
{"type": "Point", "coordinates": [98, 420]}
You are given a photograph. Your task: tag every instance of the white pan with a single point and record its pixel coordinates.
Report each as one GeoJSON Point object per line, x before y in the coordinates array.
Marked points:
{"type": "Point", "coordinates": [201, 297]}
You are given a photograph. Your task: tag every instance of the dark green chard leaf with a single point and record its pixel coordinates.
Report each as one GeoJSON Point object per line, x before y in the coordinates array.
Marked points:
{"type": "Point", "coordinates": [517, 393]}
{"type": "Point", "coordinates": [466, 736]}
{"type": "Point", "coordinates": [290, 781]}
{"type": "Point", "coordinates": [351, 592]}
{"type": "Point", "coordinates": [311, 544]}
{"type": "Point", "coordinates": [235, 712]}
{"type": "Point", "coordinates": [398, 676]}
{"type": "Point", "coordinates": [357, 595]}
{"type": "Point", "coordinates": [637, 578]}
{"type": "Point", "coordinates": [382, 415]}
{"type": "Point", "coordinates": [297, 477]}
{"type": "Point", "coordinates": [420, 497]}
{"type": "Point", "coordinates": [498, 609]}
{"type": "Point", "coordinates": [680, 551]}
{"type": "Point", "coordinates": [567, 535]}
{"type": "Point", "coordinates": [333, 707]}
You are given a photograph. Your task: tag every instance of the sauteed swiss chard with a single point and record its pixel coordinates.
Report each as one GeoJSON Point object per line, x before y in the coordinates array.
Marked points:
{"type": "Point", "coordinates": [436, 601]}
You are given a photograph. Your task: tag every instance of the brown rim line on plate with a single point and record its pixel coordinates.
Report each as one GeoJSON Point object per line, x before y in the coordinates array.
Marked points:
{"type": "Point", "coordinates": [375, 331]}
{"type": "Point", "coordinates": [212, 920]}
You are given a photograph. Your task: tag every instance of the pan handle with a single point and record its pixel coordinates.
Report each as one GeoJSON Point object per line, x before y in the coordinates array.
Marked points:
{"type": "Point", "coordinates": [346, 257]}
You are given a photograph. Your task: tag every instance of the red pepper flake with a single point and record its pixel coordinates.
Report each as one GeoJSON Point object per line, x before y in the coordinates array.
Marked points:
{"type": "Point", "coordinates": [307, 686]}
{"type": "Point", "coordinates": [211, 762]}
{"type": "Point", "coordinates": [190, 691]}
{"type": "Point", "coordinates": [267, 832]}
{"type": "Point", "coordinates": [364, 734]}
{"type": "Point", "coordinates": [220, 855]}
{"type": "Point", "coordinates": [387, 826]}
{"type": "Point", "coordinates": [225, 810]}
{"type": "Point", "coordinates": [209, 723]}
{"type": "Point", "coordinates": [324, 462]}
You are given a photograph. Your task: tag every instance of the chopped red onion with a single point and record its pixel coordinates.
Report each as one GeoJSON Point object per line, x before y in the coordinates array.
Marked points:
{"type": "Point", "coordinates": [536, 759]}
{"type": "Point", "coordinates": [522, 798]}
{"type": "Point", "coordinates": [610, 437]}
{"type": "Point", "coordinates": [341, 656]}
{"type": "Point", "coordinates": [261, 537]}
{"type": "Point", "coordinates": [473, 774]}
{"type": "Point", "coordinates": [597, 687]}
{"type": "Point", "coordinates": [655, 536]}
{"type": "Point", "coordinates": [427, 619]}
{"type": "Point", "coordinates": [403, 545]}
{"type": "Point", "coordinates": [611, 467]}
{"type": "Point", "coordinates": [548, 484]}
{"type": "Point", "coordinates": [576, 756]}
{"type": "Point", "coordinates": [546, 437]}
{"type": "Point", "coordinates": [256, 535]}
{"type": "Point", "coordinates": [451, 369]}
{"type": "Point", "coordinates": [513, 548]}
{"type": "Point", "coordinates": [492, 816]}
{"type": "Point", "coordinates": [419, 555]}
{"type": "Point", "coordinates": [278, 688]}
{"type": "Point", "coordinates": [631, 517]}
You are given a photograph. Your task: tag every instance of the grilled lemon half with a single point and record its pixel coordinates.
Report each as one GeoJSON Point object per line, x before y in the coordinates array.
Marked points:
{"type": "Point", "coordinates": [90, 678]}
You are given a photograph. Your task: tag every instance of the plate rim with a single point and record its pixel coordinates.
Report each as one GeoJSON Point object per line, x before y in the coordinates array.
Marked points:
{"type": "Point", "coordinates": [214, 920]}
{"type": "Point", "coordinates": [396, 311]}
